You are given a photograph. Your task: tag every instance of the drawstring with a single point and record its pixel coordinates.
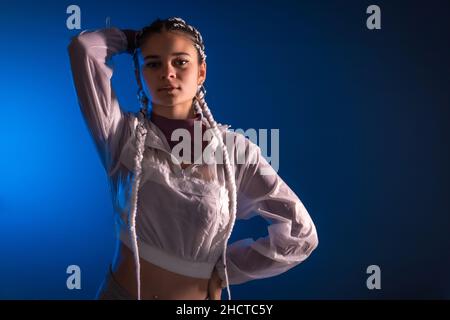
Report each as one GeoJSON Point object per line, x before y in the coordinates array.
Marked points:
{"type": "Point", "coordinates": [225, 270]}
{"type": "Point", "coordinates": [142, 131]}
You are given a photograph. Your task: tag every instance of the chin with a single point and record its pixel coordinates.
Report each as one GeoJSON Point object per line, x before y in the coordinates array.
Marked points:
{"type": "Point", "coordinates": [171, 100]}
{"type": "Point", "coordinates": [168, 102]}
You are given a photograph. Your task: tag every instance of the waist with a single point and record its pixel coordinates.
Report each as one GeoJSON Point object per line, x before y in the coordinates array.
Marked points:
{"type": "Point", "coordinates": [156, 282]}
{"type": "Point", "coordinates": [170, 262]}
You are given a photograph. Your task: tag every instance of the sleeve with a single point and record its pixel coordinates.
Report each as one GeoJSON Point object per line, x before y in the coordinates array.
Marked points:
{"type": "Point", "coordinates": [292, 235]}
{"type": "Point", "coordinates": [89, 53]}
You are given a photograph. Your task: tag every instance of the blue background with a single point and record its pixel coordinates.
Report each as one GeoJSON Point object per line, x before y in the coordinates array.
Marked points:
{"type": "Point", "coordinates": [364, 129]}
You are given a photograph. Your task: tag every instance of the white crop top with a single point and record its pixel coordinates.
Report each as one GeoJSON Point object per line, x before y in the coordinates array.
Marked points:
{"type": "Point", "coordinates": [182, 214]}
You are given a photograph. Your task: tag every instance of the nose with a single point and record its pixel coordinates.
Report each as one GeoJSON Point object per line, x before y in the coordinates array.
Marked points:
{"type": "Point", "coordinates": [167, 71]}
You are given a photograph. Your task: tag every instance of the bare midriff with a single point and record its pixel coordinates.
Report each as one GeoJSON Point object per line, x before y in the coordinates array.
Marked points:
{"type": "Point", "coordinates": [156, 282]}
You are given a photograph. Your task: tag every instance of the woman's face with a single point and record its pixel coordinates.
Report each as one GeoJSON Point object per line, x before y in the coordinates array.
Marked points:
{"type": "Point", "coordinates": [170, 59]}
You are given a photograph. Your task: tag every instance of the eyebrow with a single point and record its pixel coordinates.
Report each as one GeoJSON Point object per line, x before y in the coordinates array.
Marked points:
{"type": "Point", "coordinates": [173, 54]}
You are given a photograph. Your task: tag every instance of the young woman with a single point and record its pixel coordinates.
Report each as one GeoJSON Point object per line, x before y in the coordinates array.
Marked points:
{"type": "Point", "coordinates": [175, 217]}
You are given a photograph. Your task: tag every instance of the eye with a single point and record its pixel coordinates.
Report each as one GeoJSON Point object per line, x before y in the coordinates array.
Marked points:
{"type": "Point", "coordinates": [182, 62]}
{"type": "Point", "coordinates": [155, 64]}
{"type": "Point", "coordinates": [152, 64]}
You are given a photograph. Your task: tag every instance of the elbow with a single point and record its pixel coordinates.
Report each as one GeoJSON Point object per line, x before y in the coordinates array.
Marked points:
{"type": "Point", "coordinates": [307, 246]}
{"type": "Point", "coordinates": [302, 246]}
{"type": "Point", "coordinates": [312, 238]}
{"type": "Point", "coordinates": [310, 242]}
{"type": "Point", "coordinates": [314, 242]}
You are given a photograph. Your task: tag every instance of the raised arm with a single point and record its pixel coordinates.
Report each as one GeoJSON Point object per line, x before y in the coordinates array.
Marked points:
{"type": "Point", "coordinates": [89, 54]}
{"type": "Point", "coordinates": [291, 235]}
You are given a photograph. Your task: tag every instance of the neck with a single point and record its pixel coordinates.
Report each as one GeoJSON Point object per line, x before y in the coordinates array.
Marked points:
{"type": "Point", "coordinates": [180, 111]}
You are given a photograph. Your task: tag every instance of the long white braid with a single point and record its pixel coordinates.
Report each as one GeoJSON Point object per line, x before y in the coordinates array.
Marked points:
{"type": "Point", "coordinates": [231, 184]}
{"type": "Point", "coordinates": [141, 134]}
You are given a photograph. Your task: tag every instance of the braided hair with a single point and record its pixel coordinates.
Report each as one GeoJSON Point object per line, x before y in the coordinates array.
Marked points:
{"type": "Point", "coordinates": [200, 107]}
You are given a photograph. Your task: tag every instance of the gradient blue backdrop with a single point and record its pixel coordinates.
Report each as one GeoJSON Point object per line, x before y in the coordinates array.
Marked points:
{"type": "Point", "coordinates": [363, 118]}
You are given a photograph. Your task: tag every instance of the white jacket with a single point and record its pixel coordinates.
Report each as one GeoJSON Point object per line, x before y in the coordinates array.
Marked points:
{"type": "Point", "coordinates": [182, 214]}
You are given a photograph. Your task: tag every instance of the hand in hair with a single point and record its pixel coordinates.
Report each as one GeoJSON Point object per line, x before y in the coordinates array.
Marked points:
{"type": "Point", "coordinates": [131, 39]}
{"type": "Point", "coordinates": [214, 286]}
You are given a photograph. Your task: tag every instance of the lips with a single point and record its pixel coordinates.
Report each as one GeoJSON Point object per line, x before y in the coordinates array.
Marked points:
{"type": "Point", "coordinates": [168, 88]}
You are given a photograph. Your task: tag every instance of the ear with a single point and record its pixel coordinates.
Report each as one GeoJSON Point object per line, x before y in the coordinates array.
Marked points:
{"type": "Point", "coordinates": [202, 72]}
